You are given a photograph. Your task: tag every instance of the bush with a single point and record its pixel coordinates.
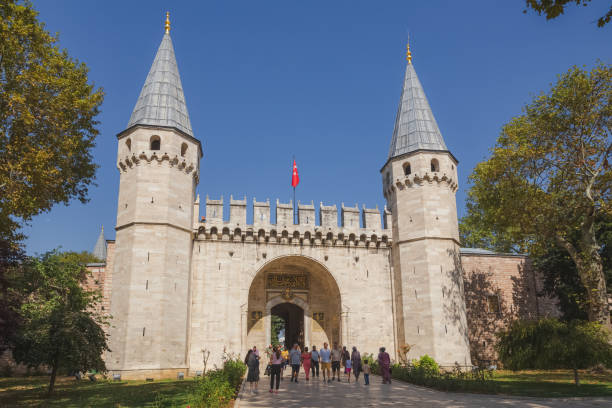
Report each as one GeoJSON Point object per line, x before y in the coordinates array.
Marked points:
{"type": "Point", "coordinates": [234, 370]}
{"type": "Point", "coordinates": [426, 366]}
{"type": "Point", "coordinates": [552, 344]}
{"type": "Point", "coordinates": [212, 391]}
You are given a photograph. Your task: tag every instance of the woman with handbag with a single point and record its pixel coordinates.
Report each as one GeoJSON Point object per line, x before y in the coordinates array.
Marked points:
{"type": "Point", "coordinates": [275, 369]}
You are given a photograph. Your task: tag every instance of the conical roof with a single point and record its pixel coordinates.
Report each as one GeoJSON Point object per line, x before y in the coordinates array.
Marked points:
{"type": "Point", "coordinates": [99, 250]}
{"type": "Point", "coordinates": [161, 101]}
{"type": "Point", "coordinates": [415, 125]}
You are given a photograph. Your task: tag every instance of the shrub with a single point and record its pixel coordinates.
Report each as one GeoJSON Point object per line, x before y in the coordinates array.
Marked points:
{"type": "Point", "coordinates": [212, 391]}
{"type": "Point", "coordinates": [234, 370]}
{"type": "Point", "coordinates": [552, 344]}
{"type": "Point", "coordinates": [426, 366]}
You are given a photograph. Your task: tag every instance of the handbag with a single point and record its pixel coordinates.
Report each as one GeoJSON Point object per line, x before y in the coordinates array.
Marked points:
{"type": "Point", "coordinates": [267, 370]}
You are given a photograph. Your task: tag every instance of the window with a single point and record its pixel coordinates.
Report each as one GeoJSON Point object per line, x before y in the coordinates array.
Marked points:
{"type": "Point", "coordinates": [128, 143]}
{"type": "Point", "coordinates": [435, 166]}
{"type": "Point", "coordinates": [493, 304]}
{"type": "Point", "coordinates": [319, 318]}
{"type": "Point", "coordinates": [255, 317]}
{"type": "Point", "coordinates": [388, 179]}
{"type": "Point", "coordinates": [407, 170]}
{"type": "Point", "coordinates": [183, 149]}
{"type": "Point", "coordinates": [155, 143]}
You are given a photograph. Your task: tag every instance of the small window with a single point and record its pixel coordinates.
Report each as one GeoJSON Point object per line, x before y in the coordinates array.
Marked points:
{"type": "Point", "coordinates": [155, 143]}
{"type": "Point", "coordinates": [407, 169]}
{"type": "Point", "coordinates": [128, 143]}
{"type": "Point", "coordinates": [388, 179]}
{"type": "Point", "coordinates": [435, 166]}
{"type": "Point", "coordinates": [183, 149]}
{"type": "Point", "coordinates": [493, 304]}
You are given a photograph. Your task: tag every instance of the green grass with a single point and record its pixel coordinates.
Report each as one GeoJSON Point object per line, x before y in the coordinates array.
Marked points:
{"type": "Point", "coordinates": [30, 392]}
{"type": "Point", "coordinates": [555, 383]}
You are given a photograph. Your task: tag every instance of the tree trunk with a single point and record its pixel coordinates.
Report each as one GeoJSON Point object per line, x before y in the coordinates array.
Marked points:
{"type": "Point", "coordinates": [53, 376]}
{"type": "Point", "coordinates": [576, 379]}
{"type": "Point", "coordinates": [590, 269]}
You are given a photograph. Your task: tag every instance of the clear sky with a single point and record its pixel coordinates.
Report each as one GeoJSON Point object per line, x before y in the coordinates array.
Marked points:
{"type": "Point", "coordinates": [265, 80]}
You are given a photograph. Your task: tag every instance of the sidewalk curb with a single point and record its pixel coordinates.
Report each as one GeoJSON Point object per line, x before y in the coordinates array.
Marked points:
{"type": "Point", "coordinates": [239, 395]}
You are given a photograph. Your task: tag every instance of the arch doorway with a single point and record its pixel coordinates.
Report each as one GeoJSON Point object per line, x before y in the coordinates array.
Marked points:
{"type": "Point", "coordinates": [287, 324]}
{"type": "Point", "coordinates": [301, 291]}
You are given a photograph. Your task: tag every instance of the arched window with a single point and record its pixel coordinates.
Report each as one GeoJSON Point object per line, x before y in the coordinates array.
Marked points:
{"type": "Point", "coordinates": [407, 170]}
{"type": "Point", "coordinates": [388, 178]}
{"type": "Point", "coordinates": [183, 149]}
{"type": "Point", "coordinates": [155, 143]}
{"type": "Point", "coordinates": [128, 143]}
{"type": "Point", "coordinates": [435, 166]}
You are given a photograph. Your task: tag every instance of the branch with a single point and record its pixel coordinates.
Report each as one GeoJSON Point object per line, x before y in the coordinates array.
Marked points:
{"type": "Point", "coordinates": [568, 246]}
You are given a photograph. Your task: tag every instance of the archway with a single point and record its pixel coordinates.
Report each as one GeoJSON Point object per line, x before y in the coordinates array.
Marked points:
{"type": "Point", "coordinates": [285, 286]}
{"type": "Point", "coordinates": [292, 326]}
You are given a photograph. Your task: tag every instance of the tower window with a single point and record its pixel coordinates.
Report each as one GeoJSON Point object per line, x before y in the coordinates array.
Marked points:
{"type": "Point", "coordinates": [407, 169]}
{"type": "Point", "coordinates": [435, 166]}
{"type": "Point", "coordinates": [183, 149]}
{"type": "Point", "coordinates": [388, 179]}
{"type": "Point", "coordinates": [155, 143]}
{"type": "Point", "coordinates": [128, 143]}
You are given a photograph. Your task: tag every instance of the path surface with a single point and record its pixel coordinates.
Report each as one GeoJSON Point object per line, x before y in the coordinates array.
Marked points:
{"type": "Point", "coordinates": [340, 394]}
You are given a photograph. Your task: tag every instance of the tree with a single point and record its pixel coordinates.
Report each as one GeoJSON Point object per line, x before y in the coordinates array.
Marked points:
{"type": "Point", "coordinates": [554, 8]}
{"type": "Point", "coordinates": [277, 325]}
{"type": "Point", "coordinates": [47, 125]}
{"type": "Point", "coordinates": [59, 327]}
{"type": "Point", "coordinates": [552, 344]}
{"type": "Point", "coordinates": [561, 279]}
{"type": "Point", "coordinates": [548, 178]}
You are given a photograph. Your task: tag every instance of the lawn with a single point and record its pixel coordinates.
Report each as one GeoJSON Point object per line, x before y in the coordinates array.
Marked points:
{"type": "Point", "coordinates": [555, 383]}
{"type": "Point", "coordinates": [30, 392]}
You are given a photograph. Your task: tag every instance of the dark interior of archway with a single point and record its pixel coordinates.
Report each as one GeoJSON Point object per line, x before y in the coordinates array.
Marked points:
{"type": "Point", "coordinates": [294, 323]}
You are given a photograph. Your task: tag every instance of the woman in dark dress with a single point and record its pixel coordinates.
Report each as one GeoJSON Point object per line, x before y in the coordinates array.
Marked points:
{"type": "Point", "coordinates": [252, 363]}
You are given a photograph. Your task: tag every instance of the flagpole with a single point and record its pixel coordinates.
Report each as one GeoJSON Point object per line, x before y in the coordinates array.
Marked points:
{"type": "Point", "coordinates": [294, 203]}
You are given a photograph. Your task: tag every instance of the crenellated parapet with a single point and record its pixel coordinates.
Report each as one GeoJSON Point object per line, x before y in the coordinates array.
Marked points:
{"type": "Point", "coordinates": [416, 180]}
{"type": "Point", "coordinates": [349, 232]}
{"type": "Point", "coordinates": [128, 162]}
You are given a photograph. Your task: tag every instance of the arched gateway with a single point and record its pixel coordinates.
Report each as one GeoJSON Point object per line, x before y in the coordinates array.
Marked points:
{"type": "Point", "coordinates": [300, 291]}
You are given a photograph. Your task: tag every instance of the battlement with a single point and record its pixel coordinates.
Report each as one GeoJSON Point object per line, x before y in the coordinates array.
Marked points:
{"type": "Point", "coordinates": [176, 162]}
{"type": "Point", "coordinates": [349, 232]}
{"type": "Point", "coordinates": [415, 180]}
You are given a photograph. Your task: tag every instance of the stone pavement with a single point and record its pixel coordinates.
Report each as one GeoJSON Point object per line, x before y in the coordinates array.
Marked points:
{"type": "Point", "coordinates": [340, 394]}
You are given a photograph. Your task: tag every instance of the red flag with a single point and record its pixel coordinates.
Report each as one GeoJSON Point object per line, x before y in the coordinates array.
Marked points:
{"type": "Point", "coordinates": [295, 179]}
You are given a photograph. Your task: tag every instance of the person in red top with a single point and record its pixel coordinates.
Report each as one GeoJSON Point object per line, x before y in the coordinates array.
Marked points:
{"type": "Point", "coordinates": [306, 362]}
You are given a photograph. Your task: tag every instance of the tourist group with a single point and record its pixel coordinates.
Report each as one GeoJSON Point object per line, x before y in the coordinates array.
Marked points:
{"type": "Point", "coordinates": [325, 360]}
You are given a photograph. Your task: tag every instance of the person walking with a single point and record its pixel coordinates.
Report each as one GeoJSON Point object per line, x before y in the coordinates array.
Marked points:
{"type": "Point", "coordinates": [336, 356]}
{"type": "Point", "coordinates": [356, 360]}
{"type": "Point", "coordinates": [366, 372]}
{"type": "Point", "coordinates": [345, 356]}
{"type": "Point", "coordinates": [348, 364]}
{"type": "Point", "coordinates": [285, 355]}
{"type": "Point", "coordinates": [306, 360]}
{"type": "Point", "coordinates": [295, 358]}
{"type": "Point", "coordinates": [275, 368]}
{"type": "Point", "coordinates": [384, 362]}
{"type": "Point", "coordinates": [252, 363]}
{"type": "Point", "coordinates": [314, 356]}
{"type": "Point", "coordinates": [325, 356]}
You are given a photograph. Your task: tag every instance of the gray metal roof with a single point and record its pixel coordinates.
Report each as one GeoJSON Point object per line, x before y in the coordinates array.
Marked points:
{"type": "Point", "coordinates": [415, 125]}
{"type": "Point", "coordinates": [99, 250]}
{"type": "Point", "coordinates": [161, 101]}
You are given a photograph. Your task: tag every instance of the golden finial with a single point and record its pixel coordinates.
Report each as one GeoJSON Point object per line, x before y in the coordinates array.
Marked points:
{"type": "Point", "coordinates": [167, 22]}
{"type": "Point", "coordinates": [408, 53]}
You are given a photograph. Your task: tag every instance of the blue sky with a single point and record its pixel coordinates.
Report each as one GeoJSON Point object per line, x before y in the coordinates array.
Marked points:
{"type": "Point", "coordinates": [265, 80]}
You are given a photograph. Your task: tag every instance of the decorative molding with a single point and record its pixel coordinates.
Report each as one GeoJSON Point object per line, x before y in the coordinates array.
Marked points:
{"type": "Point", "coordinates": [135, 160]}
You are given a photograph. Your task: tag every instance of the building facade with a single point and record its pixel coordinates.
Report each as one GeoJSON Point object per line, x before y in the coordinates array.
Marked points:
{"type": "Point", "coordinates": [181, 281]}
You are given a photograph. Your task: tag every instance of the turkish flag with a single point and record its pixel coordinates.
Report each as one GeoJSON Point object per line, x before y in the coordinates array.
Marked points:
{"type": "Point", "coordinates": [295, 179]}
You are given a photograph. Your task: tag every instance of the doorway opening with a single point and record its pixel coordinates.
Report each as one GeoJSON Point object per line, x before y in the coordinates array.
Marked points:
{"type": "Point", "coordinates": [289, 327]}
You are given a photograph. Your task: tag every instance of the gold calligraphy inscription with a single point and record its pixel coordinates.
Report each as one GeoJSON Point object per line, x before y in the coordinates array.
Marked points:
{"type": "Point", "coordinates": [282, 281]}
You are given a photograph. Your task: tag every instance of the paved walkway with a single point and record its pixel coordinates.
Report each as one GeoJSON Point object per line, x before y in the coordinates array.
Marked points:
{"type": "Point", "coordinates": [340, 394]}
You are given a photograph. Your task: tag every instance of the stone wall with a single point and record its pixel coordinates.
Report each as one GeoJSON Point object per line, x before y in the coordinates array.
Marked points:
{"type": "Point", "coordinates": [499, 289]}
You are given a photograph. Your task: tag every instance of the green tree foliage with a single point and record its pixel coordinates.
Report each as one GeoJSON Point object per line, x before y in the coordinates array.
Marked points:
{"type": "Point", "coordinates": [47, 120]}
{"type": "Point", "coordinates": [552, 344]}
{"type": "Point", "coordinates": [277, 325]}
{"type": "Point", "coordinates": [58, 324]}
{"type": "Point", "coordinates": [554, 8]}
{"type": "Point", "coordinates": [548, 179]}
